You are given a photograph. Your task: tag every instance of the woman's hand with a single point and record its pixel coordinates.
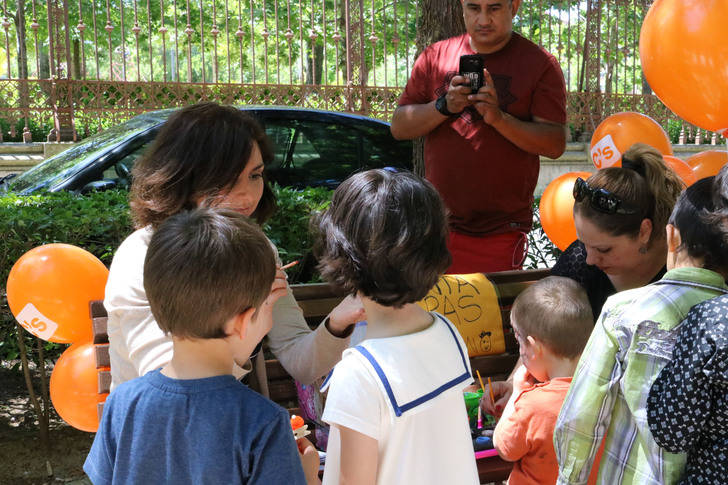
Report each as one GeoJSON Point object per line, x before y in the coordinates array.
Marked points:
{"type": "Point", "coordinates": [345, 314]}
{"type": "Point", "coordinates": [264, 319]}
{"type": "Point", "coordinates": [502, 391]}
{"type": "Point", "coordinates": [309, 460]}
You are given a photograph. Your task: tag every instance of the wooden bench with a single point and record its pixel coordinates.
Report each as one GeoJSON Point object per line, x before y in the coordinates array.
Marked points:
{"type": "Point", "coordinates": [316, 301]}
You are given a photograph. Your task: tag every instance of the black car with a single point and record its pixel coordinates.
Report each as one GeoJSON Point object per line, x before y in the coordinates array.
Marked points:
{"type": "Point", "coordinates": [313, 148]}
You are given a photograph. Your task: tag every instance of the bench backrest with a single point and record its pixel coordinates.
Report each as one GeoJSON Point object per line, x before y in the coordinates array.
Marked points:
{"type": "Point", "coordinates": [316, 301]}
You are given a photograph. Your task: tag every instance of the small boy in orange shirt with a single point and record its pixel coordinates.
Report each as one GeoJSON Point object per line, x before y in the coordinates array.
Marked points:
{"type": "Point", "coordinates": [552, 321]}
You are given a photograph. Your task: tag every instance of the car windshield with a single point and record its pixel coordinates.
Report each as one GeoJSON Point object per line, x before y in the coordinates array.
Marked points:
{"type": "Point", "coordinates": [76, 158]}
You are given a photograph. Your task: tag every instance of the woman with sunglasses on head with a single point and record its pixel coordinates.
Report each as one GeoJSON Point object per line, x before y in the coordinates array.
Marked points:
{"type": "Point", "coordinates": [631, 343]}
{"type": "Point", "coordinates": [620, 215]}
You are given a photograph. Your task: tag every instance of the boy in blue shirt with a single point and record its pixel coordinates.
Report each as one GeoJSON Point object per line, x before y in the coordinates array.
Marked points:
{"type": "Point", "coordinates": [206, 273]}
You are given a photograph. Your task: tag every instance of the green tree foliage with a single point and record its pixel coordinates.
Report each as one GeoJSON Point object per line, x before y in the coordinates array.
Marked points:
{"type": "Point", "coordinates": [560, 27]}
{"type": "Point", "coordinates": [271, 41]}
{"type": "Point", "coordinates": [296, 41]}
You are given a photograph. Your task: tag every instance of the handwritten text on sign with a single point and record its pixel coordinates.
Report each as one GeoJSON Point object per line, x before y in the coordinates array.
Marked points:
{"type": "Point", "coordinates": [469, 301]}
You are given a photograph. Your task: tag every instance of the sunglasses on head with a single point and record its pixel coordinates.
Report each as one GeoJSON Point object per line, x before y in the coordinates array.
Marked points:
{"type": "Point", "coordinates": [601, 199]}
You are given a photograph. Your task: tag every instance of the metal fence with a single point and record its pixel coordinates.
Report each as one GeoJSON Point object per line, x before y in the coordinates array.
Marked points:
{"type": "Point", "coordinates": [83, 64]}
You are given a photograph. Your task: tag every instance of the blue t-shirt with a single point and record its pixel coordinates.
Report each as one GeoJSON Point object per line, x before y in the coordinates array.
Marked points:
{"type": "Point", "coordinates": [214, 430]}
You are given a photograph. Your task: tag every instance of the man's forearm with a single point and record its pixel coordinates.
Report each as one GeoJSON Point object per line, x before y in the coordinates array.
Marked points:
{"type": "Point", "coordinates": [414, 120]}
{"type": "Point", "coordinates": [538, 137]}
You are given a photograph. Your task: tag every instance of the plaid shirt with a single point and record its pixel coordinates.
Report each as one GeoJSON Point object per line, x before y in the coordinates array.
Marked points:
{"type": "Point", "coordinates": [631, 343]}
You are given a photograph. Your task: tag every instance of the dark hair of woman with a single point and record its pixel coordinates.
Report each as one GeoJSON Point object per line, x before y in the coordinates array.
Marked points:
{"type": "Point", "coordinates": [198, 154]}
{"type": "Point", "coordinates": [719, 216]}
{"type": "Point", "coordinates": [648, 185]}
{"type": "Point", "coordinates": [384, 236]}
{"type": "Point", "coordinates": [700, 237]}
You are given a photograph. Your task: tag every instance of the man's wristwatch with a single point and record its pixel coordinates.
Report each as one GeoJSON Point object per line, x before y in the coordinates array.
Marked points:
{"type": "Point", "coordinates": [441, 106]}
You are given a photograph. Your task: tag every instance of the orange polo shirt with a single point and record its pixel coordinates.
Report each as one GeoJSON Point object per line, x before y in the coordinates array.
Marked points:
{"type": "Point", "coordinates": [527, 435]}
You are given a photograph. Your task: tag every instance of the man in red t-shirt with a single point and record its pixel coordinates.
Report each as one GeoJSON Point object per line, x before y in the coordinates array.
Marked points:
{"type": "Point", "coordinates": [482, 150]}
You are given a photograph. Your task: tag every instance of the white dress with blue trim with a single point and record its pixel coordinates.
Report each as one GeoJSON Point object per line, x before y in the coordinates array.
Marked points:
{"type": "Point", "coordinates": [406, 393]}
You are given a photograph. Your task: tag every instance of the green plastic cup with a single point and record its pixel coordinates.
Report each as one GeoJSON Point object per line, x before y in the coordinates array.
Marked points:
{"type": "Point", "coordinates": [472, 400]}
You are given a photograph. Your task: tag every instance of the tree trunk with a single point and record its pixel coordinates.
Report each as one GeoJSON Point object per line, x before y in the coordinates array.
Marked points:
{"type": "Point", "coordinates": [589, 81]}
{"type": "Point", "coordinates": [358, 68]}
{"type": "Point", "coordinates": [646, 88]}
{"type": "Point", "coordinates": [22, 50]}
{"type": "Point", "coordinates": [350, 22]}
{"type": "Point", "coordinates": [612, 43]}
{"type": "Point", "coordinates": [437, 20]}
{"type": "Point", "coordinates": [45, 66]}
{"type": "Point", "coordinates": [39, 412]}
{"type": "Point", "coordinates": [43, 419]}
{"type": "Point", "coordinates": [315, 64]}
{"type": "Point", "coordinates": [76, 59]}
{"type": "Point", "coordinates": [24, 96]}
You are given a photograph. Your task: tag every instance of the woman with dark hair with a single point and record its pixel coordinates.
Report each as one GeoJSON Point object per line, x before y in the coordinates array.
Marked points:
{"type": "Point", "coordinates": [687, 408]}
{"type": "Point", "coordinates": [631, 343]}
{"type": "Point", "coordinates": [215, 156]}
{"type": "Point", "coordinates": [620, 214]}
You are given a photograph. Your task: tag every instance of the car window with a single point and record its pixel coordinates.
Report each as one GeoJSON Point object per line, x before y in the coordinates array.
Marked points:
{"type": "Point", "coordinates": [76, 158]}
{"type": "Point", "coordinates": [120, 172]}
{"type": "Point", "coordinates": [318, 153]}
{"type": "Point", "coordinates": [313, 153]}
{"type": "Point", "coordinates": [280, 136]}
{"type": "Point", "coordinates": [310, 149]}
{"type": "Point", "coordinates": [304, 151]}
{"type": "Point", "coordinates": [380, 149]}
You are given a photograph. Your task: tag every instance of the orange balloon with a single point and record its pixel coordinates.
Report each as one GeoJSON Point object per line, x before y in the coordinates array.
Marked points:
{"type": "Point", "coordinates": [682, 169]}
{"type": "Point", "coordinates": [557, 209]}
{"type": "Point", "coordinates": [690, 80]}
{"type": "Point", "coordinates": [707, 163]}
{"type": "Point", "coordinates": [74, 387]}
{"type": "Point", "coordinates": [49, 289]}
{"type": "Point", "coordinates": [616, 133]}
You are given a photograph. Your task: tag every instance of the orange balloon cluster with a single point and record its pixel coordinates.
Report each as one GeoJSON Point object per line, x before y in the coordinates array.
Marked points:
{"type": "Point", "coordinates": [684, 51]}
{"type": "Point", "coordinates": [49, 289]}
{"type": "Point", "coordinates": [74, 387]}
{"type": "Point", "coordinates": [616, 133]}
{"type": "Point", "coordinates": [557, 209]}
{"type": "Point", "coordinates": [707, 163]}
{"type": "Point", "coordinates": [682, 169]}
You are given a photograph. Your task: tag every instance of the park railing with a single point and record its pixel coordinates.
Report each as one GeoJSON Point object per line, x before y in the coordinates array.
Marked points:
{"type": "Point", "coordinates": [83, 64]}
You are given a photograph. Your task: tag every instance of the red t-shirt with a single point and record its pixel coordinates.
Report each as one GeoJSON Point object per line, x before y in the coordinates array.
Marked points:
{"type": "Point", "coordinates": [486, 181]}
